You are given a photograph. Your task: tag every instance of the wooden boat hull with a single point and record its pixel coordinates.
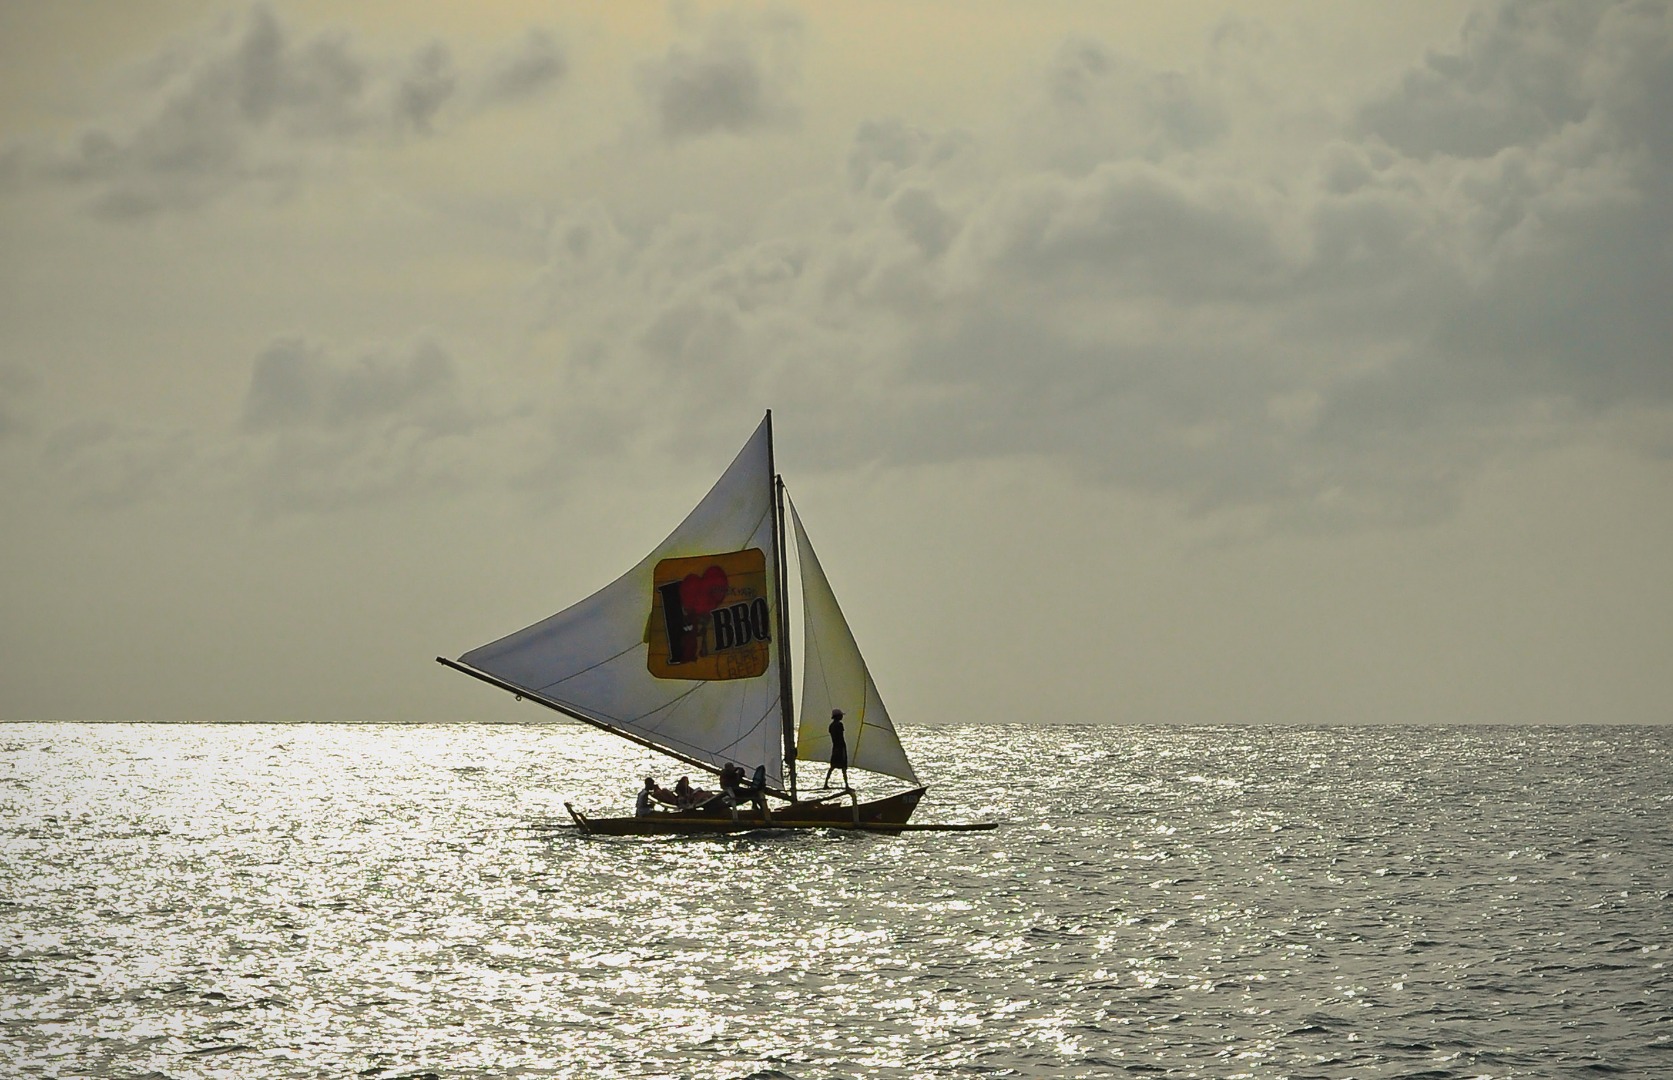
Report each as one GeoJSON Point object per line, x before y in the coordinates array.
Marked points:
{"type": "Point", "coordinates": [888, 814]}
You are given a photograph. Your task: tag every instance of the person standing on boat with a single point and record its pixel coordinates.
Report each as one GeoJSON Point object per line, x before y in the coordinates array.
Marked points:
{"type": "Point", "coordinates": [839, 750]}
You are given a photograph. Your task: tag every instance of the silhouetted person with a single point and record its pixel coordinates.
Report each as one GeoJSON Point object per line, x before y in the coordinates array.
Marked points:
{"type": "Point", "coordinates": [652, 792]}
{"type": "Point", "coordinates": [686, 796]}
{"type": "Point", "coordinates": [737, 791]}
{"type": "Point", "coordinates": [839, 750]}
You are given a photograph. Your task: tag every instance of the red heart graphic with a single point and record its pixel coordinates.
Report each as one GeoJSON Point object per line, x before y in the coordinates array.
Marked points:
{"type": "Point", "coordinates": [701, 595]}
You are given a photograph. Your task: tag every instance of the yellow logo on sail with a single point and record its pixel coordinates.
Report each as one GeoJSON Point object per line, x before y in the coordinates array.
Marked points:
{"type": "Point", "coordinates": [709, 617]}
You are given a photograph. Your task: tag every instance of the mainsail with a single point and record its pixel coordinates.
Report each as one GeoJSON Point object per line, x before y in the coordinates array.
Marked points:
{"type": "Point", "coordinates": [835, 676]}
{"type": "Point", "coordinates": [686, 653]}
{"type": "Point", "coordinates": [680, 653]}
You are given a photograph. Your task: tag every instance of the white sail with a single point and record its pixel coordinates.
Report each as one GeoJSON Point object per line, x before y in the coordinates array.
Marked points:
{"type": "Point", "coordinates": [834, 676]}
{"type": "Point", "coordinates": [594, 659]}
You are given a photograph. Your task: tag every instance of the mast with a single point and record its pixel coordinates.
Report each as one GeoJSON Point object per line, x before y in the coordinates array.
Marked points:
{"type": "Point", "coordinates": [781, 571]}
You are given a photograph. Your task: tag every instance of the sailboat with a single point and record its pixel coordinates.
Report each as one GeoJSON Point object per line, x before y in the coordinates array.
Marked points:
{"type": "Point", "coordinates": [688, 654]}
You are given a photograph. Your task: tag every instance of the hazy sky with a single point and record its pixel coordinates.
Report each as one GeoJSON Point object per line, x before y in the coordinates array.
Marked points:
{"type": "Point", "coordinates": [1202, 362]}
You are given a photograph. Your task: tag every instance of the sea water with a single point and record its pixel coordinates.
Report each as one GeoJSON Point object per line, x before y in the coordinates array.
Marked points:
{"type": "Point", "coordinates": [402, 901]}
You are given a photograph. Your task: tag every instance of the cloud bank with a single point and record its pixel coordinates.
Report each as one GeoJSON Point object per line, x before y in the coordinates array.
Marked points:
{"type": "Point", "coordinates": [251, 105]}
{"type": "Point", "coordinates": [1200, 284]}
{"type": "Point", "coordinates": [1186, 283]}
{"type": "Point", "coordinates": [728, 72]}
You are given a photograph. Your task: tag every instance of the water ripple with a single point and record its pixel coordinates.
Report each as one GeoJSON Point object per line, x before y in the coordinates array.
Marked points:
{"type": "Point", "coordinates": [385, 901]}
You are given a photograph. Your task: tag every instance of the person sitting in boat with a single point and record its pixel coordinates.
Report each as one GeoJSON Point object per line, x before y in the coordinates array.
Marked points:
{"type": "Point", "coordinates": [687, 797]}
{"type": "Point", "coordinates": [738, 791]}
{"type": "Point", "coordinates": [717, 800]}
{"type": "Point", "coordinates": [642, 805]}
{"type": "Point", "coordinates": [650, 794]}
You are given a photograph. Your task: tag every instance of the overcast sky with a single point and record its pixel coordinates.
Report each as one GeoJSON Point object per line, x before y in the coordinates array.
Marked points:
{"type": "Point", "coordinates": [1199, 362]}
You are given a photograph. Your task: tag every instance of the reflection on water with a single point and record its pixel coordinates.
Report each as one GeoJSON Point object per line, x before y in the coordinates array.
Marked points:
{"type": "Point", "coordinates": [291, 901]}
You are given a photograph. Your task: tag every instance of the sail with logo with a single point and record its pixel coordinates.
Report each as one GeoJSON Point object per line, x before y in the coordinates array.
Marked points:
{"type": "Point", "coordinates": [688, 654]}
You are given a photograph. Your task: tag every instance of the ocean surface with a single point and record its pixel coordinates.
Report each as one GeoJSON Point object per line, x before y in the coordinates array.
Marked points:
{"type": "Point", "coordinates": [403, 901]}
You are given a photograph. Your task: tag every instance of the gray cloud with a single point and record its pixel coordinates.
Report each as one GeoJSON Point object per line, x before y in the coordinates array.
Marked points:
{"type": "Point", "coordinates": [884, 152]}
{"type": "Point", "coordinates": [323, 431]}
{"type": "Point", "coordinates": [108, 464]}
{"type": "Point", "coordinates": [1559, 243]}
{"type": "Point", "coordinates": [425, 87]}
{"type": "Point", "coordinates": [534, 64]}
{"type": "Point", "coordinates": [1098, 105]}
{"type": "Point", "coordinates": [296, 385]}
{"type": "Point", "coordinates": [732, 72]}
{"type": "Point", "coordinates": [253, 105]}
{"type": "Point", "coordinates": [1340, 332]}
{"type": "Point", "coordinates": [1132, 228]}
{"type": "Point", "coordinates": [1471, 262]}
{"type": "Point", "coordinates": [1510, 81]}
{"type": "Point", "coordinates": [919, 215]}
{"type": "Point", "coordinates": [319, 430]}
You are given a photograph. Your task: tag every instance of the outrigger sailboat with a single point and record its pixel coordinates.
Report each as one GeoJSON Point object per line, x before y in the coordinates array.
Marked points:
{"type": "Point", "coordinates": [688, 654]}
